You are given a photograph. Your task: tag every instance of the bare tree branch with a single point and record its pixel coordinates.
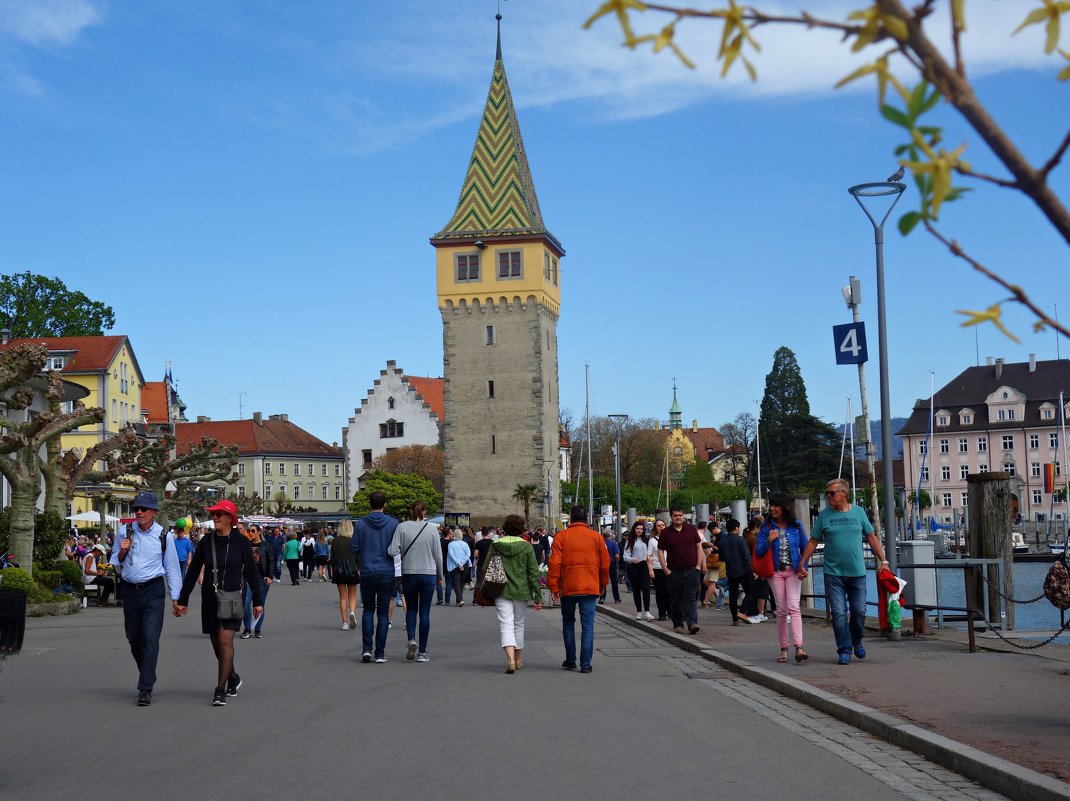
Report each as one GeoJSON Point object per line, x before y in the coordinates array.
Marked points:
{"type": "Point", "coordinates": [1056, 157]}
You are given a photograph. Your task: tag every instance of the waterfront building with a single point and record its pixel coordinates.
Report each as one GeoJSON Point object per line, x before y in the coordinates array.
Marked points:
{"type": "Point", "coordinates": [499, 293]}
{"type": "Point", "coordinates": [399, 410]}
{"type": "Point", "coordinates": [997, 416]}
{"type": "Point", "coordinates": [275, 455]}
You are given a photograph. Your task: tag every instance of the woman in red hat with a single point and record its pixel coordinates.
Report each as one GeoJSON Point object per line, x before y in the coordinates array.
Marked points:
{"type": "Point", "coordinates": [227, 559]}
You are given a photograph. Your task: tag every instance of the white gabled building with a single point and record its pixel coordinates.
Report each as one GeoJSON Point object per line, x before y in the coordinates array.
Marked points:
{"type": "Point", "coordinates": [399, 410]}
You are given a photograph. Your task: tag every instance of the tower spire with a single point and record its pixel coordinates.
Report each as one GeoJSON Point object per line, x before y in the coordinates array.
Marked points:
{"type": "Point", "coordinates": [498, 54]}
{"type": "Point", "coordinates": [675, 413]}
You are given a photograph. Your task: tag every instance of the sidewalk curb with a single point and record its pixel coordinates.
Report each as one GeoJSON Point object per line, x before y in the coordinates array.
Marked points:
{"type": "Point", "coordinates": [1013, 781]}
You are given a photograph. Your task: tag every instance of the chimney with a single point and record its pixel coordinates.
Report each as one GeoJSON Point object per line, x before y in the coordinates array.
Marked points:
{"type": "Point", "coordinates": [999, 368]}
{"type": "Point", "coordinates": [258, 418]}
{"type": "Point", "coordinates": [1032, 362]}
{"type": "Point", "coordinates": [203, 419]}
{"type": "Point", "coordinates": [989, 361]}
{"type": "Point", "coordinates": [694, 425]}
{"type": "Point", "coordinates": [5, 335]}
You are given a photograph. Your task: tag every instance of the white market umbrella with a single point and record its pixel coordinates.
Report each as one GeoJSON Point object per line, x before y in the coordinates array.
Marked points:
{"type": "Point", "coordinates": [91, 517]}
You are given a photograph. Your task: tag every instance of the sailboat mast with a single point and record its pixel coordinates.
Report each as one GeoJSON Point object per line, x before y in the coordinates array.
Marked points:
{"type": "Point", "coordinates": [758, 454]}
{"type": "Point", "coordinates": [590, 470]}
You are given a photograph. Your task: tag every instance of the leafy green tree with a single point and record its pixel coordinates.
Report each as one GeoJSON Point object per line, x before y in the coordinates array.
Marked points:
{"type": "Point", "coordinates": [423, 460]}
{"type": "Point", "coordinates": [279, 504]}
{"type": "Point", "coordinates": [526, 495]}
{"type": "Point", "coordinates": [402, 491]}
{"type": "Point", "coordinates": [921, 499]}
{"type": "Point", "coordinates": [36, 306]}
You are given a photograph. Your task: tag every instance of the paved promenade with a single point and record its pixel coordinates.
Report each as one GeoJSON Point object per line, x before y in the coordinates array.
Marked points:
{"type": "Point", "coordinates": [1009, 704]}
{"type": "Point", "coordinates": [652, 721]}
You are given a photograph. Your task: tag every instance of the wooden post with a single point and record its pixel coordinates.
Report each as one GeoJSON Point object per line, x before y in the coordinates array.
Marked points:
{"type": "Point", "coordinates": [988, 535]}
{"type": "Point", "coordinates": [801, 510]}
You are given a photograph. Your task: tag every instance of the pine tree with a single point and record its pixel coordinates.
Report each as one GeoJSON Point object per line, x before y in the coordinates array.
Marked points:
{"type": "Point", "coordinates": [785, 392]}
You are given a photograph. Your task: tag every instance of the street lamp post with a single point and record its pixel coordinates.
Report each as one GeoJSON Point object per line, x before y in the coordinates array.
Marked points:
{"type": "Point", "coordinates": [619, 419]}
{"type": "Point", "coordinates": [893, 188]}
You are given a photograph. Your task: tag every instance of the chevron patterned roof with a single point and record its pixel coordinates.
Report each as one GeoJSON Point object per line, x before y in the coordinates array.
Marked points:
{"type": "Point", "coordinates": [498, 194]}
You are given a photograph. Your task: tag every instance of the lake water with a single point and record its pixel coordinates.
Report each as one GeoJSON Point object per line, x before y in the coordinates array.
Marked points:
{"type": "Point", "coordinates": [950, 590]}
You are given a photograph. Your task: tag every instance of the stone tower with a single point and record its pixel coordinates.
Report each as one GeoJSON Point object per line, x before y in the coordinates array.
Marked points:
{"type": "Point", "coordinates": [498, 274]}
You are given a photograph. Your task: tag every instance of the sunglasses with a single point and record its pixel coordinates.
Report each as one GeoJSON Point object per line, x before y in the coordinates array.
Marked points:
{"type": "Point", "coordinates": [142, 509]}
{"type": "Point", "coordinates": [834, 492]}
{"type": "Point", "coordinates": [220, 514]}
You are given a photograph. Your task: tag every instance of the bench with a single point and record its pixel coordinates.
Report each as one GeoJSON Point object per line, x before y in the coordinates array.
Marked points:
{"type": "Point", "coordinates": [91, 589]}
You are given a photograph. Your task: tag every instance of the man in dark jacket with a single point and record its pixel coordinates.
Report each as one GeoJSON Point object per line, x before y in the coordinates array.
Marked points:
{"type": "Point", "coordinates": [736, 556]}
{"type": "Point", "coordinates": [264, 557]}
{"type": "Point", "coordinates": [371, 538]}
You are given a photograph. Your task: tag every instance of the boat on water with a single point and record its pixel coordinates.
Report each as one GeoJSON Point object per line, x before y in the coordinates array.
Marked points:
{"type": "Point", "coordinates": [1057, 548]}
{"type": "Point", "coordinates": [1018, 544]}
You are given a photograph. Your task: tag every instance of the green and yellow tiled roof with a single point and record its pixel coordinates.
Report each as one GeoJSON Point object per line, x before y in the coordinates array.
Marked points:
{"type": "Point", "coordinates": [498, 194]}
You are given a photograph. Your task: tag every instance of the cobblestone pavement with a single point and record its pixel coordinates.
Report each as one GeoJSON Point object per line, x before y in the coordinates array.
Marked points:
{"type": "Point", "coordinates": [914, 777]}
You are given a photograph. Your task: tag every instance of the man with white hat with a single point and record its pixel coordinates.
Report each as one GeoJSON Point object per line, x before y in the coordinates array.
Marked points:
{"type": "Point", "coordinates": [145, 554]}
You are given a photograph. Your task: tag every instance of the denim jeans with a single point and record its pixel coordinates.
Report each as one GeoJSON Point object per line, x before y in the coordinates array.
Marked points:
{"type": "Point", "coordinates": [847, 603]}
{"type": "Point", "coordinates": [419, 590]}
{"type": "Point", "coordinates": [247, 601]}
{"type": "Point", "coordinates": [143, 618]}
{"type": "Point", "coordinates": [376, 592]}
{"type": "Point", "coordinates": [586, 604]}
{"type": "Point", "coordinates": [613, 577]}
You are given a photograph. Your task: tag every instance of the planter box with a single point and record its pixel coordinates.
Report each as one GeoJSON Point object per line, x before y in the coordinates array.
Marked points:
{"type": "Point", "coordinates": [12, 622]}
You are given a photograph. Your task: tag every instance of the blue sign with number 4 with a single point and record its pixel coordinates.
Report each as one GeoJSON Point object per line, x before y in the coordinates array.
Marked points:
{"type": "Point", "coordinates": [850, 339]}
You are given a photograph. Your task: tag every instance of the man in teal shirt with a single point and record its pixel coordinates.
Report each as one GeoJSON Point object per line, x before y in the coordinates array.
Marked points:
{"type": "Point", "coordinates": [843, 528]}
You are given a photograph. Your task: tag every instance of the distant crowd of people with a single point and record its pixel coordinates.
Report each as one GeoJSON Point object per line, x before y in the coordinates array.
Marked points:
{"type": "Point", "coordinates": [416, 564]}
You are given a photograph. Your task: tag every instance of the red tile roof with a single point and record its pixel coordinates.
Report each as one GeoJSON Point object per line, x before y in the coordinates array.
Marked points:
{"type": "Point", "coordinates": [266, 437]}
{"type": "Point", "coordinates": [432, 391]}
{"type": "Point", "coordinates": [154, 401]}
{"type": "Point", "coordinates": [705, 440]}
{"type": "Point", "coordinates": [89, 354]}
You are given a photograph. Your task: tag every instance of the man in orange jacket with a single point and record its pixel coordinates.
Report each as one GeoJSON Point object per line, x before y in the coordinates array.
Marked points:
{"type": "Point", "coordinates": [579, 572]}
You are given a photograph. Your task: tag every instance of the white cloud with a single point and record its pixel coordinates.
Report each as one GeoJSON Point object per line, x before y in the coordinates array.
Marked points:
{"type": "Point", "coordinates": [47, 22]}
{"type": "Point", "coordinates": [445, 54]}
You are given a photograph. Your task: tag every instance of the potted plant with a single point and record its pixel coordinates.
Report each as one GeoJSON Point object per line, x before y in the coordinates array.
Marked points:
{"type": "Point", "coordinates": [15, 585]}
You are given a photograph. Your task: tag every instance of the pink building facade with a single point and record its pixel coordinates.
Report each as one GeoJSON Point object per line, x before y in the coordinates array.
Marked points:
{"type": "Point", "coordinates": [995, 417]}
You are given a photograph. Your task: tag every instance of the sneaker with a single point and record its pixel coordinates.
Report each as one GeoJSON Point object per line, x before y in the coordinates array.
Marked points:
{"type": "Point", "coordinates": [219, 696]}
{"type": "Point", "coordinates": [758, 618]}
{"type": "Point", "coordinates": [568, 664]}
{"type": "Point", "coordinates": [845, 659]}
{"type": "Point", "coordinates": [256, 634]}
{"type": "Point", "coordinates": [647, 616]}
{"type": "Point", "coordinates": [422, 657]}
{"type": "Point", "coordinates": [745, 619]}
{"type": "Point", "coordinates": [693, 629]}
{"type": "Point", "coordinates": [144, 698]}
{"type": "Point", "coordinates": [233, 685]}
{"type": "Point", "coordinates": [353, 620]}
{"type": "Point", "coordinates": [679, 629]}
{"type": "Point", "coordinates": [438, 603]}
{"type": "Point", "coordinates": [345, 627]}
{"type": "Point", "coordinates": [461, 603]}
{"type": "Point", "coordinates": [389, 625]}
{"type": "Point", "coordinates": [366, 657]}
{"type": "Point", "coordinates": [245, 635]}
{"type": "Point", "coordinates": [639, 616]}
{"type": "Point", "coordinates": [410, 652]}
{"type": "Point", "coordinates": [860, 652]}
{"type": "Point", "coordinates": [380, 660]}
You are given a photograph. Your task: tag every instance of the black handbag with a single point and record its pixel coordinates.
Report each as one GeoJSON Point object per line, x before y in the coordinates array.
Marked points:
{"type": "Point", "coordinates": [229, 604]}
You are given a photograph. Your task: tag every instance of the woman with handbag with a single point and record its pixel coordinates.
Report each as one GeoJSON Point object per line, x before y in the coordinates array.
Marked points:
{"type": "Point", "coordinates": [344, 574]}
{"type": "Point", "coordinates": [521, 570]}
{"type": "Point", "coordinates": [784, 536]}
{"type": "Point", "coordinates": [227, 559]}
{"type": "Point", "coordinates": [416, 542]}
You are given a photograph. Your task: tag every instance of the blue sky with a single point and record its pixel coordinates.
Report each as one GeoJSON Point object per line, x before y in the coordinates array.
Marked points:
{"type": "Point", "coordinates": [252, 187]}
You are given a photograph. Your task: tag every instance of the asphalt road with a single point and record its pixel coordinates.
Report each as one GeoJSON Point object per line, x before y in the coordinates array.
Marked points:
{"type": "Point", "coordinates": [312, 722]}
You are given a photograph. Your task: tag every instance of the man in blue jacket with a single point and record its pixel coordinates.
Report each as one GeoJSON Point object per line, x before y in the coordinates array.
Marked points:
{"type": "Point", "coordinates": [371, 537]}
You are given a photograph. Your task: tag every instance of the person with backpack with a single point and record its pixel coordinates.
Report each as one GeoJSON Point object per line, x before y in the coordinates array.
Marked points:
{"type": "Point", "coordinates": [145, 554]}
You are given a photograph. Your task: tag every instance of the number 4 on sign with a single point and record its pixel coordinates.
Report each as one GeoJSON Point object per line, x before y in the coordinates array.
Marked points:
{"type": "Point", "coordinates": [850, 339]}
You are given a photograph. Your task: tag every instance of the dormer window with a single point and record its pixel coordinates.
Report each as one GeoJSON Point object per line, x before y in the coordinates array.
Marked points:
{"type": "Point", "coordinates": [943, 418]}
{"type": "Point", "coordinates": [966, 417]}
{"type": "Point", "coordinates": [55, 362]}
{"type": "Point", "coordinates": [1047, 412]}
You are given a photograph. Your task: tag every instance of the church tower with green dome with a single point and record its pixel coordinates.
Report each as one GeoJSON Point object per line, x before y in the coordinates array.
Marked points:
{"type": "Point", "coordinates": [675, 414]}
{"type": "Point", "coordinates": [499, 293]}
